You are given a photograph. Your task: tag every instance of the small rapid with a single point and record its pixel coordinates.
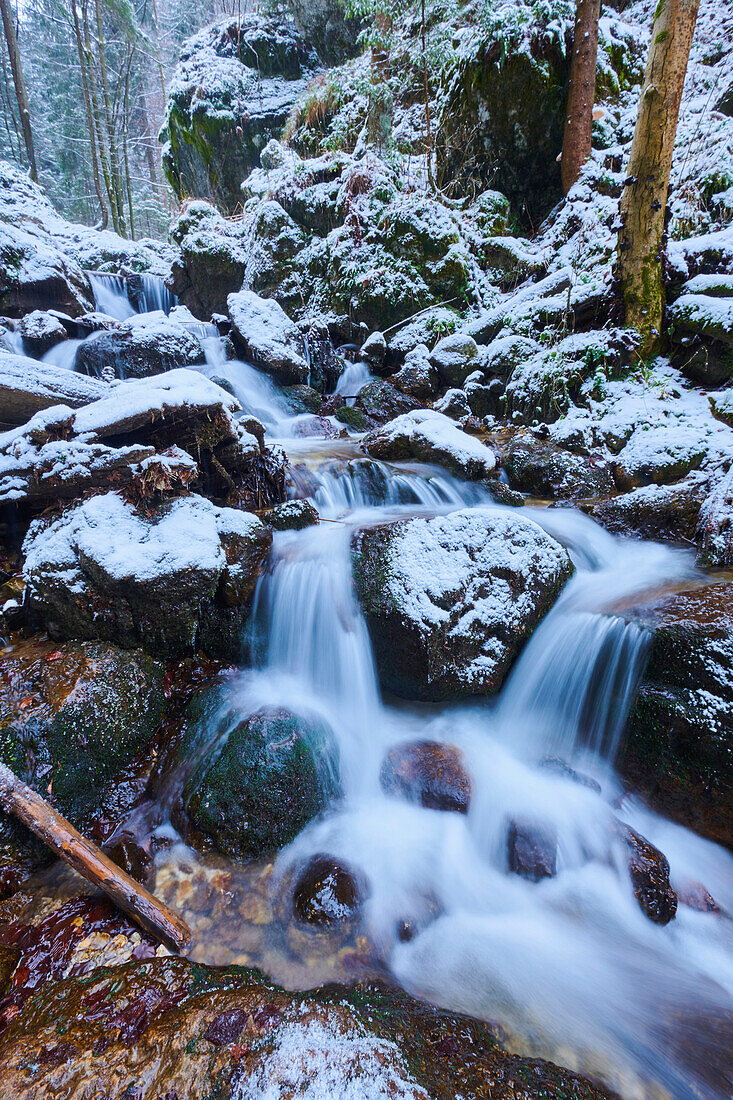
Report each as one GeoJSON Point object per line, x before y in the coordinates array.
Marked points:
{"type": "Point", "coordinates": [569, 966]}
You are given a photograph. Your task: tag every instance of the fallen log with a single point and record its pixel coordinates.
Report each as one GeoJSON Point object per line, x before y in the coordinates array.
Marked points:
{"type": "Point", "coordinates": [61, 836]}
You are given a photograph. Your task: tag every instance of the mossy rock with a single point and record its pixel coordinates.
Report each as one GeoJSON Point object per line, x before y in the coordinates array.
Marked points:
{"type": "Point", "coordinates": [352, 417]}
{"type": "Point", "coordinates": [269, 776]}
{"type": "Point", "coordinates": [71, 718]}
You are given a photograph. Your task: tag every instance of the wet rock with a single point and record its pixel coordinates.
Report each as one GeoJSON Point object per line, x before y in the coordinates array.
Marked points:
{"type": "Point", "coordinates": [649, 872]}
{"type": "Point", "coordinates": [696, 896]}
{"type": "Point", "coordinates": [426, 435]}
{"type": "Point", "coordinates": [454, 358]}
{"type": "Point", "coordinates": [265, 335]}
{"type": "Point", "coordinates": [293, 515]}
{"type": "Point", "coordinates": [235, 85]}
{"type": "Point", "coordinates": [197, 1030]}
{"type": "Point", "coordinates": [41, 331]}
{"type": "Point", "coordinates": [676, 748]}
{"type": "Point", "coordinates": [144, 345]}
{"type": "Point", "coordinates": [374, 350]}
{"type": "Point", "coordinates": [380, 402]}
{"type": "Point", "coordinates": [133, 859]}
{"type": "Point", "coordinates": [352, 418]}
{"type": "Point", "coordinates": [546, 470]}
{"type": "Point", "coordinates": [273, 773]}
{"type": "Point", "coordinates": [171, 581]}
{"type": "Point", "coordinates": [450, 601]}
{"type": "Point", "coordinates": [561, 767]}
{"type": "Point", "coordinates": [417, 377]}
{"type": "Point", "coordinates": [429, 773]}
{"type": "Point", "coordinates": [532, 850]}
{"type": "Point", "coordinates": [327, 892]}
{"type": "Point", "coordinates": [72, 716]}
{"type": "Point", "coordinates": [304, 398]}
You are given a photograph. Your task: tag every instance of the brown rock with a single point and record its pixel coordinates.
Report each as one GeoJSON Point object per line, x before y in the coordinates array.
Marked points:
{"type": "Point", "coordinates": [427, 772]}
{"type": "Point", "coordinates": [327, 892]}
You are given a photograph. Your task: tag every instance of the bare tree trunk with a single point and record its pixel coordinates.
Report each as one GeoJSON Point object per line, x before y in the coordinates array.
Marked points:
{"type": "Point", "coordinates": [20, 93]}
{"type": "Point", "coordinates": [581, 92]}
{"type": "Point", "coordinates": [114, 169]}
{"type": "Point", "coordinates": [90, 117]}
{"type": "Point", "coordinates": [96, 115]}
{"type": "Point", "coordinates": [15, 138]}
{"type": "Point", "coordinates": [643, 205]}
{"type": "Point", "coordinates": [125, 138]}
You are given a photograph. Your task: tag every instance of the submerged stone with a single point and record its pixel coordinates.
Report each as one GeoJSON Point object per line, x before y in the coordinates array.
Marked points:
{"type": "Point", "coordinates": [429, 773]}
{"type": "Point", "coordinates": [532, 850]}
{"type": "Point", "coordinates": [327, 892]}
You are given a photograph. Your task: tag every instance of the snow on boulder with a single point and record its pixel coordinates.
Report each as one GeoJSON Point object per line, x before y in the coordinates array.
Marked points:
{"type": "Point", "coordinates": [35, 275]}
{"type": "Point", "coordinates": [450, 601]}
{"type": "Point", "coordinates": [41, 331]}
{"type": "Point", "coordinates": [455, 357]}
{"type": "Point", "coordinates": [177, 580]}
{"type": "Point", "coordinates": [425, 435]}
{"type": "Point", "coordinates": [702, 332]}
{"type": "Point", "coordinates": [26, 386]}
{"type": "Point", "coordinates": [263, 332]}
{"type": "Point", "coordinates": [146, 344]}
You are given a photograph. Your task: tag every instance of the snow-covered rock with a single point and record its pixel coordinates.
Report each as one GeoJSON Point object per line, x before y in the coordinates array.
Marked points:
{"type": "Point", "coordinates": [170, 582]}
{"type": "Point", "coordinates": [373, 351]}
{"type": "Point", "coordinates": [545, 470]}
{"type": "Point", "coordinates": [234, 86]}
{"type": "Point", "coordinates": [266, 336]}
{"type": "Point", "coordinates": [701, 325]}
{"type": "Point", "coordinates": [40, 332]}
{"type": "Point", "coordinates": [450, 601]}
{"type": "Point", "coordinates": [455, 357]}
{"type": "Point", "coordinates": [146, 344]}
{"type": "Point", "coordinates": [417, 377]}
{"type": "Point", "coordinates": [429, 436]}
{"type": "Point", "coordinates": [27, 386]}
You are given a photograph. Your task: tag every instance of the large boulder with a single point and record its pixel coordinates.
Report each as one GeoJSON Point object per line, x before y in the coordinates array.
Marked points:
{"type": "Point", "coordinates": [263, 780]}
{"type": "Point", "coordinates": [425, 435]}
{"type": "Point", "coordinates": [264, 334]}
{"type": "Point", "coordinates": [72, 716]}
{"type": "Point", "coordinates": [36, 275]}
{"type": "Point", "coordinates": [678, 745]}
{"type": "Point", "coordinates": [212, 261]}
{"type": "Point", "coordinates": [27, 386]}
{"type": "Point", "coordinates": [144, 345]}
{"type": "Point", "coordinates": [170, 582]}
{"type": "Point", "coordinates": [450, 601]}
{"type": "Point", "coordinates": [235, 85]}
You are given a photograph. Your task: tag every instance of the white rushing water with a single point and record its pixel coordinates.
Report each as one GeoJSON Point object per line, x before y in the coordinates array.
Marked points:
{"type": "Point", "coordinates": [571, 964]}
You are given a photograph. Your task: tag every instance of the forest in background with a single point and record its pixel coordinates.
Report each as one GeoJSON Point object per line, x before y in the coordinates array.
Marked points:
{"type": "Point", "coordinates": [96, 74]}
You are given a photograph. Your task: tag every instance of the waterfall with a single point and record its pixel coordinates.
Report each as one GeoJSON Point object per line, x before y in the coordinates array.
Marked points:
{"type": "Point", "coordinates": [121, 296]}
{"type": "Point", "coordinates": [110, 295]}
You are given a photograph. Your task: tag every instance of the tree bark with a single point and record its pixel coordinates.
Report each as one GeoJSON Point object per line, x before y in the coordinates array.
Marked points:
{"type": "Point", "coordinates": [90, 117]}
{"type": "Point", "coordinates": [644, 202]}
{"type": "Point", "coordinates": [114, 169]}
{"type": "Point", "coordinates": [576, 143]}
{"type": "Point", "coordinates": [21, 95]}
{"type": "Point", "coordinates": [55, 831]}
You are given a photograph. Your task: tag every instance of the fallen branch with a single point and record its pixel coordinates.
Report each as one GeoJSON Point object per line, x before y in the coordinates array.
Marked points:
{"type": "Point", "coordinates": [61, 836]}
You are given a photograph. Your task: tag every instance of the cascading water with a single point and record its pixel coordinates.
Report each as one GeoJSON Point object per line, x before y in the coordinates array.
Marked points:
{"type": "Point", "coordinates": [121, 296]}
{"type": "Point", "coordinates": [570, 963]}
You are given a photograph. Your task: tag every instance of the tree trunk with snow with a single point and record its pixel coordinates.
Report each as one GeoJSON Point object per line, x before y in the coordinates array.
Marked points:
{"type": "Point", "coordinates": [643, 205]}
{"type": "Point", "coordinates": [21, 95]}
{"type": "Point", "coordinates": [581, 92]}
